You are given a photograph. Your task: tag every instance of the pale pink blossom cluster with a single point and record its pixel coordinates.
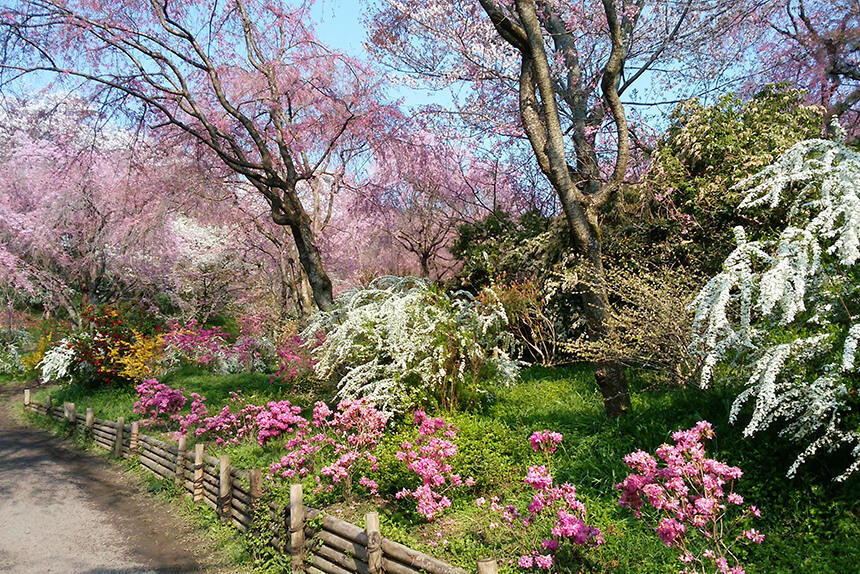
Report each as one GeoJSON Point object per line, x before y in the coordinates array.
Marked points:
{"type": "Point", "coordinates": [340, 440]}
{"type": "Point", "coordinates": [427, 456]}
{"type": "Point", "coordinates": [158, 401]}
{"type": "Point", "coordinates": [693, 501]}
{"type": "Point", "coordinates": [197, 344]}
{"type": "Point", "coordinates": [553, 507]}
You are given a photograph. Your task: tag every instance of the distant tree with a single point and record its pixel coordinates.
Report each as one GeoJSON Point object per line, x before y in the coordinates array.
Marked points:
{"type": "Point", "coordinates": [425, 183]}
{"type": "Point", "coordinates": [246, 79]}
{"type": "Point", "coordinates": [815, 46]}
{"type": "Point", "coordinates": [82, 215]}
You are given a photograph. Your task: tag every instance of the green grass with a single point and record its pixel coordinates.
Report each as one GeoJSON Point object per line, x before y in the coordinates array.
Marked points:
{"type": "Point", "coordinates": [8, 378]}
{"type": "Point", "coordinates": [811, 524]}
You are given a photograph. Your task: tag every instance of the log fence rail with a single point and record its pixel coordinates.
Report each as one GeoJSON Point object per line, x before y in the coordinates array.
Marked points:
{"type": "Point", "coordinates": [333, 547]}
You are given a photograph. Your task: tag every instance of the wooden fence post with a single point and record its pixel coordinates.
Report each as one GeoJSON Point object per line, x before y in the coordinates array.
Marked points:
{"type": "Point", "coordinates": [117, 442]}
{"type": "Point", "coordinates": [72, 416]}
{"type": "Point", "coordinates": [49, 401]}
{"type": "Point", "coordinates": [255, 476]}
{"type": "Point", "coordinates": [488, 566]}
{"type": "Point", "coordinates": [297, 529]}
{"type": "Point", "coordinates": [134, 440]}
{"type": "Point", "coordinates": [179, 479]}
{"type": "Point", "coordinates": [26, 397]}
{"type": "Point", "coordinates": [198, 471]}
{"type": "Point", "coordinates": [91, 421]}
{"type": "Point", "coordinates": [225, 488]}
{"type": "Point", "coordinates": [374, 543]}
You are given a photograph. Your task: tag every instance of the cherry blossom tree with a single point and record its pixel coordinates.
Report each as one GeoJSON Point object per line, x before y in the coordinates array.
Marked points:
{"type": "Point", "coordinates": [80, 219]}
{"type": "Point", "coordinates": [815, 45]}
{"type": "Point", "coordinates": [426, 182]}
{"type": "Point", "coordinates": [246, 79]}
{"type": "Point", "coordinates": [268, 249]}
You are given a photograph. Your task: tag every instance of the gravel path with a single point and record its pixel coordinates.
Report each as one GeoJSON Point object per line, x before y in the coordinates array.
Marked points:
{"type": "Point", "coordinates": [65, 511]}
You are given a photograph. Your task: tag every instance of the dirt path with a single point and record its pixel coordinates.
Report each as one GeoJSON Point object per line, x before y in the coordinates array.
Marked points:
{"type": "Point", "coordinates": [65, 511]}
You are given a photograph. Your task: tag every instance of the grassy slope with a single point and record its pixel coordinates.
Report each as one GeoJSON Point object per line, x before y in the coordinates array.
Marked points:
{"type": "Point", "coordinates": [811, 524]}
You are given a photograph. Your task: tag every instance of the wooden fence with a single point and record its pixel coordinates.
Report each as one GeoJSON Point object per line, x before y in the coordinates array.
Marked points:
{"type": "Point", "coordinates": [334, 547]}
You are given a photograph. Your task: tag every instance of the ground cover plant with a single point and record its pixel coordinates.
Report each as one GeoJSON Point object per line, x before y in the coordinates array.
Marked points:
{"type": "Point", "coordinates": [809, 522]}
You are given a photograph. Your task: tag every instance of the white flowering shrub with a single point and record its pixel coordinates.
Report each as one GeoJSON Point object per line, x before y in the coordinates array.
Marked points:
{"type": "Point", "coordinates": [785, 311]}
{"type": "Point", "coordinates": [401, 341]}
{"type": "Point", "coordinates": [60, 364]}
{"type": "Point", "coordinates": [226, 364]}
{"type": "Point", "coordinates": [12, 341]}
{"type": "Point", "coordinates": [10, 359]}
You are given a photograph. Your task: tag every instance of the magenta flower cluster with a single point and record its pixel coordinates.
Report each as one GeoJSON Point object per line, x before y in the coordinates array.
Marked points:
{"type": "Point", "coordinates": [225, 426]}
{"type": "Point", "coordinates": [553, 507]}
{"type": "Point", "coordinates": [427, 456]}
{"type": "Point", "coordinates": [294, 357]}
{"type": "Point", "coordinates": [336, 442]}
{"type": "Point", "coordinates": [545, 441]}
{"type": "Point", "coordinates": [279, 418]}
{"type": "Point", "coordinates": [692, 500]}
{"type": "Point", "coordinates": [240, 419]}
{"type": "Point", "coordinates": [157, 401]}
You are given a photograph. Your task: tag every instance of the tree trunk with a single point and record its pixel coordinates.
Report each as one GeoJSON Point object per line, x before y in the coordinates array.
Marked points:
{"type": "Point", "coordinates": [309, 256]}
{"type": "Point", "coordinates": [582, 198]}
{"type": "Point", "coordinates": [609, 375]}
{"type": "Point", "coordinates": [425, 265]}
{"type": "Point", "coordinates": [304, 295]}
{"type": "Point", "coordinates": [613, 386]}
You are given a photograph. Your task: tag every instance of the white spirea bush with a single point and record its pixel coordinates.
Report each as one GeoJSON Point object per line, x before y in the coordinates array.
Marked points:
{"type": "Point", "coordinates": [10, 359]}
{"type": "Point", "coordinates": [785, 311]}
{"type": "Point", "coordinates": [12, 341]}
{"type": "Point", "coordinates": [401, 341]}
{"type": "Point", "coordinates": [59, 364]}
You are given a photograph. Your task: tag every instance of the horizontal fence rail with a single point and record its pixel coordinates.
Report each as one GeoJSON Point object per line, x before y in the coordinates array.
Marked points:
{"type": "Point", "coordinates": [334, 547]}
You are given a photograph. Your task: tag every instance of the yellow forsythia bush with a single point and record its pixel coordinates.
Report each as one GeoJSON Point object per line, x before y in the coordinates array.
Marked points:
{"type": "Point", "coordinates": [139, 359]}
{"type": "Point", "coordinates": [30, 360]}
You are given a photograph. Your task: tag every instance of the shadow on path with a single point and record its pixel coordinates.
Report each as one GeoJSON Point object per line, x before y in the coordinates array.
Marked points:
{"type": "Point", "coordinates": [64, 510]}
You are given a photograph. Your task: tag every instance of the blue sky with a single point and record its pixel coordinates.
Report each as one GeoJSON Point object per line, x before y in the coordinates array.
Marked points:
{"type": "Point", "coordinates": [340, 25]}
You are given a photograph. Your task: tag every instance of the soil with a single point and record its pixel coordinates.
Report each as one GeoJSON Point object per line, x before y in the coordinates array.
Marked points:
{"type": "Point", "coordinates": [63, 510]}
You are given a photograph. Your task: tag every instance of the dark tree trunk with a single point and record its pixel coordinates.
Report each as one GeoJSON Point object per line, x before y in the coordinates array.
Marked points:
{"type": "Point", "coordinates": [613, 387]}
{"type": "Point", "coordinates": [610, 376]}
{"type": "Point", "coordinates": [309, 256]}
{"type": "Point", "coordinates": [425, 265]}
